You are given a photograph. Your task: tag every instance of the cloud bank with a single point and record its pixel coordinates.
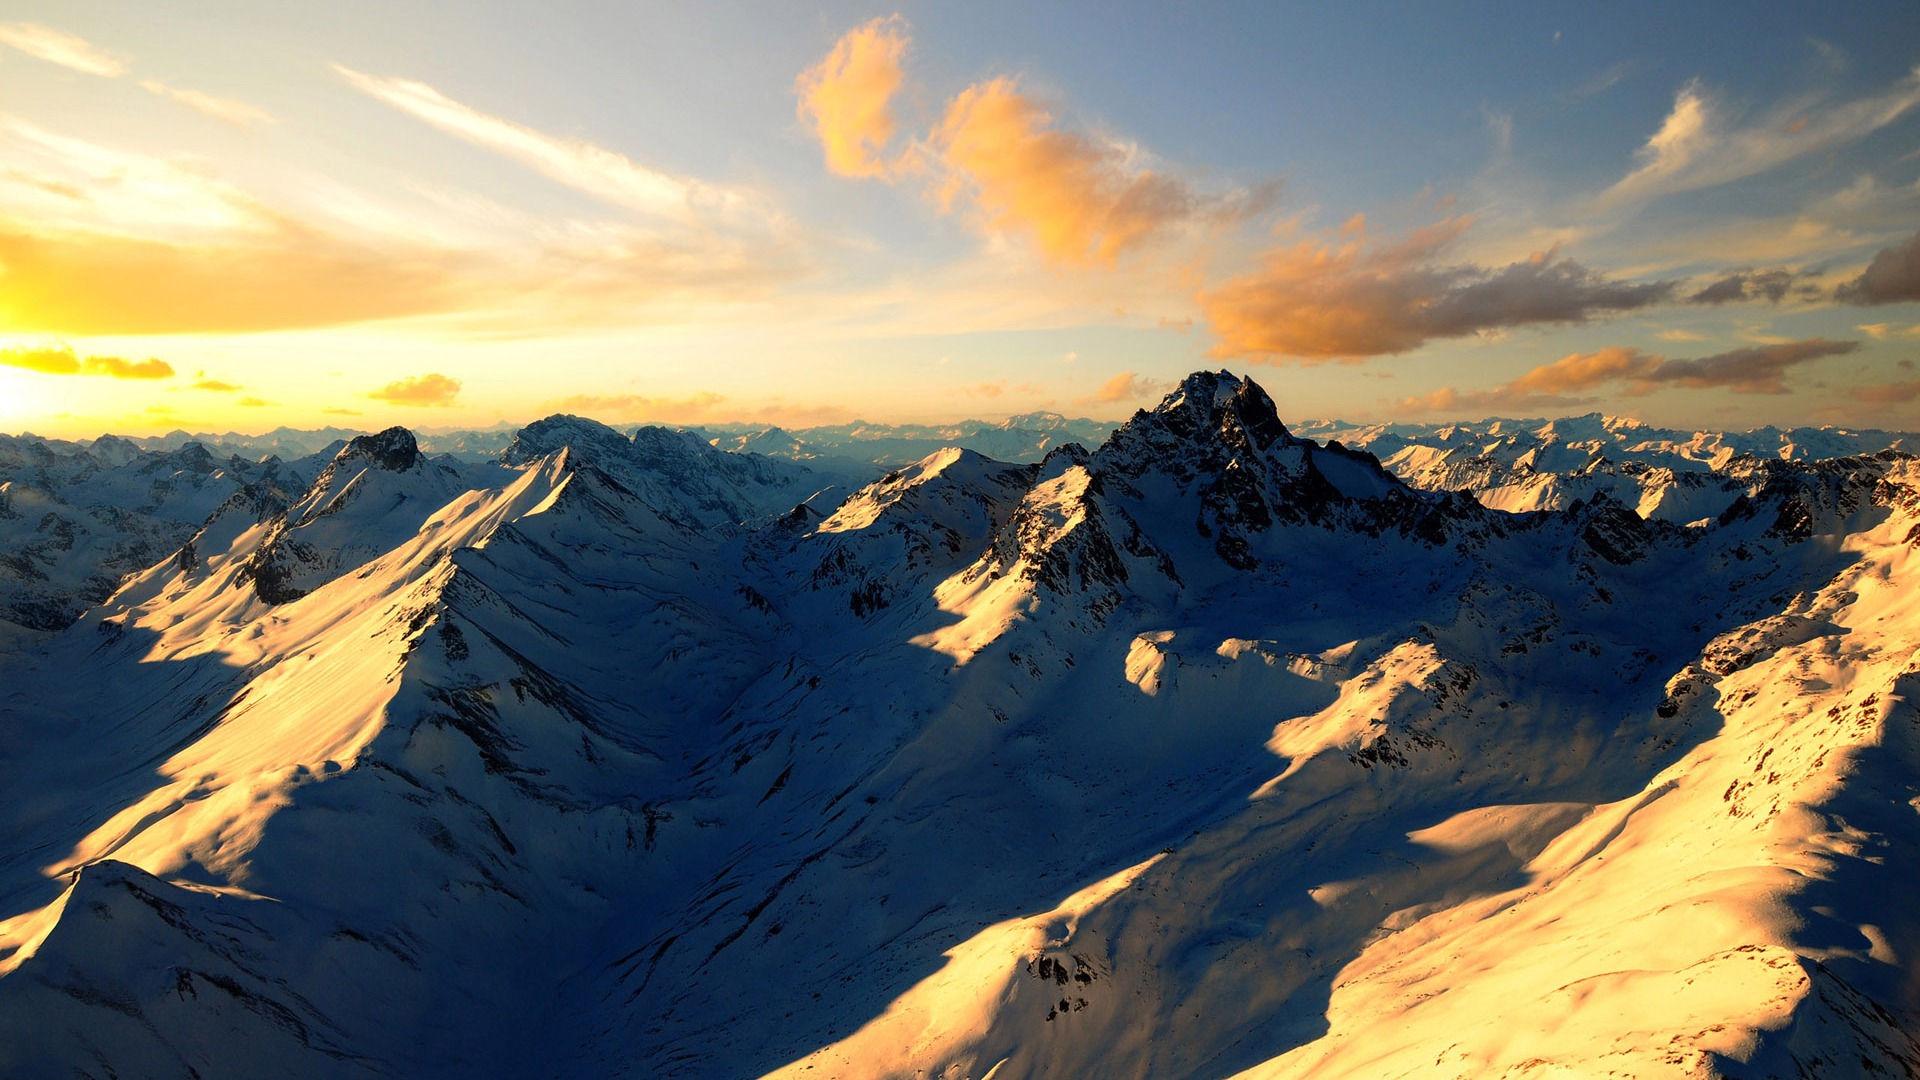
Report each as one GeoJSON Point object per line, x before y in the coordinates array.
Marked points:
{"type": "Point", "coordinates": [1316, 301]}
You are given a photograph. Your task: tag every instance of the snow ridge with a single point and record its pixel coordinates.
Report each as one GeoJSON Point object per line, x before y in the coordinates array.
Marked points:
{"type": "Point", "coordinates": [1212, 750]}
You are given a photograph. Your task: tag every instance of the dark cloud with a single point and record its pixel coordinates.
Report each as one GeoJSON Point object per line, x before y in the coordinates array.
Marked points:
{"type": "Point", "coordinates": [1892, 277]}
{"type": "Point", "coordinates": [1743, 285]}
{"type": "Point", "coordinates": [1760, 369]}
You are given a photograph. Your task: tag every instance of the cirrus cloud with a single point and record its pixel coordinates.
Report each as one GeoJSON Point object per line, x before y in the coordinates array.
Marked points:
{"type": "Point", "coordinates": [60, 47]}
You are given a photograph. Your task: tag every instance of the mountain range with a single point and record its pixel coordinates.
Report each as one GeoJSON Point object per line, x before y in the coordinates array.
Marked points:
{"type": "Point", "coordinates": [1571, 748]}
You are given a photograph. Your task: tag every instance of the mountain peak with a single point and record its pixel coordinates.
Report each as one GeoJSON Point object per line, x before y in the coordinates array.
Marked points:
{"type": "Point", "coordinates": [543, 437]}
{"type": "Point", "coordinates": [394, 449]}
{"type": "Point", "coordinates": [1210, 407]}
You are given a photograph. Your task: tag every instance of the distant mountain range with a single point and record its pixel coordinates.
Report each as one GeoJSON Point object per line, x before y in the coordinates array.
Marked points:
{"type": "Point", "coordinates": [1203, 748]}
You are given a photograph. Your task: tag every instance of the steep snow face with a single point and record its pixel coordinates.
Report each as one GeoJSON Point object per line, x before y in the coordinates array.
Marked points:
{"type": "Point", "coordinates": [1213, 751]}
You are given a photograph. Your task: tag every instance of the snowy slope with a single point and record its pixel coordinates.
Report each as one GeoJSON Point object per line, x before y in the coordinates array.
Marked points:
{"type": "Point", "coordinates": [1212, 750]}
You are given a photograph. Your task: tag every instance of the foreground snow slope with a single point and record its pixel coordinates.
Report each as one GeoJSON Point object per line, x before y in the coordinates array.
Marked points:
{"type": "Point", "coordinates": [1206, 752]}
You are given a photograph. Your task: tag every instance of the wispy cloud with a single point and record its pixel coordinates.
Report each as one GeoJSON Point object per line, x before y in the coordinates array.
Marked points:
{"type": "Point", "coordinates": [59, 47]}
{"type": "Point", "coordinates": [847, 98]}
{"type": "Point", "coordinates": [1349, 298]}
{"type": "Point", "coordinates": [1126, 386]}
{"type": "Point", "coordinates": [1699, 145]}
{"type": "Point", "coordinates": [603, 173]}
{"type": "Point", "coordinates": [430, 389]}
{"type": "Point", "coordinates": [61, 360]}
{"type": "Point", "coordinates": [224, 109]}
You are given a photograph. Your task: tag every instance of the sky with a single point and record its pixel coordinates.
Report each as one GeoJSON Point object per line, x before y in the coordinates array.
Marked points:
{"type": "Point", "coordinates": [226, 215]}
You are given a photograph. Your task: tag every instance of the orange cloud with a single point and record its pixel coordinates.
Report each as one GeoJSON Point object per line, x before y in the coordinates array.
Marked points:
{"type": "Point", "coordinates": [61, 360]}
{"type": "Point", "coordinates": [638, 407]}
{"type": "Point", "coordinates": [1892, 393]}
{"type": "Point", "coordinates": [847, 98]}
{"type": "Point", "coordinates": [430, 389]}
{"type": "Point", "coordinates": [1760, 369]}
{"type": "Point", "coordinates": [1125, 386]}
{"type": "Point", "coordinates": [1080, 200]}
{"type": "Point", "coordinates": [1581, 371]}
{"type": "Point", "coordinates": [292, 278]}
{"type": "Point", "coordinates": [1347, 299]}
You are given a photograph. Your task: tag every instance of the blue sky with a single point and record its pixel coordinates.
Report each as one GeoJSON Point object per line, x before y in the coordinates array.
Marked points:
{"type": "Point", "coordinates": [441, 214]}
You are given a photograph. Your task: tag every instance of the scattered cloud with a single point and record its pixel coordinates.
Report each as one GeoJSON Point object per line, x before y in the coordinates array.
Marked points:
{"type": "Point", "coordinates": [1126, 386]}
{"type": "Point", "coordinates": [59, 47]}
{"type": "Point", "coordinates": [603, 173]}
{"type": "Point", "coordinates": [1883, 331]}
{"type": "Point", "coordinates": [1680, 335]}
{"type": "Point", "coordinates": [1699, 146]}
{"type": "Point", "coordinates": [1631, 372]}
{"type": "Point", "coordinates": [224, 109]}
{"type": "Point", "coordinates": [1892, 277]}
{"type": "Point", "coordinates": [986, 389]}
{"type": "Point", "coordinates": [1081, 200]}
{"type": "Point", "coordinates": [847, 98]}
{"type": "Point", "coordinates": [1347, 299]}
{"type": "Point", "coordinates": [251, 402]}
{"type": "Point", "coordinates": [116, 368]}
{"type": "Point", "coordinates": [215, 385]}
{"type": "Point", "coordinates": [1740, 286]}
{"type": "Point", "coordinates": [61, 360]}
{"type": "Point", "coordinates": [431, 389]}
{"type": "Point", "coordinates": [1889, 393]}
{"type": "Point", "coordinates": [334, 410]}
{"type": "Point", "coordinates": [998, 156]}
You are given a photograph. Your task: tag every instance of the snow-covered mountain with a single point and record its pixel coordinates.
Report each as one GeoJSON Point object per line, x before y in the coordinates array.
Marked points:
{"type": "Point", "coordinates": [1211, 750]}
{"type": "Point", "coordinates": [76, 519]}
{"type": "Point", "coordinates": [1672, 475]}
